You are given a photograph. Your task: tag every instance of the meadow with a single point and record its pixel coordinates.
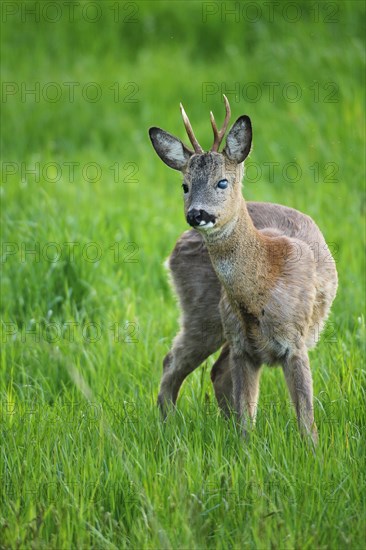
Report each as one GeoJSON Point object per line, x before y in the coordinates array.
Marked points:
{"type": "Point", "coordinates": [88, 216]}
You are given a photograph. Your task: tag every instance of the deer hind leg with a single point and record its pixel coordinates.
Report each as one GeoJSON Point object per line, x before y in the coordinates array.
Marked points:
{"type": "Point", "coordinates": [297, 373]}
{"type": "Point", "coordinates": [190, 348]}
{"type": "Point", "coordinates": [199, 291]}
{"type": "Point", "coordinates": [222, 381]}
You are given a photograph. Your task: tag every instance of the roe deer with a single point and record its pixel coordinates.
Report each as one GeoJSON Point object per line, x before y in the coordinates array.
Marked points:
{"type": "Point", "coordinates": [255, 278]}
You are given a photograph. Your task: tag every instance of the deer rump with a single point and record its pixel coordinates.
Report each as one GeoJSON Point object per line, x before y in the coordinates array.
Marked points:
{"type": "Point", "coordinates": [199, 290]}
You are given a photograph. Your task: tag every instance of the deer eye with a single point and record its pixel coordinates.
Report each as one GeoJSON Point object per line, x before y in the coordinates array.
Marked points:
{"type": "Point", "coordinates": [222, 184]}
{"type": "Point", "coordinates": [185, 187]}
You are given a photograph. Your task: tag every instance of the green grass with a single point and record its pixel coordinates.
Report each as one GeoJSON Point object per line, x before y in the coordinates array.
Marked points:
{"type": "Point", "coordinates": [86, 462]}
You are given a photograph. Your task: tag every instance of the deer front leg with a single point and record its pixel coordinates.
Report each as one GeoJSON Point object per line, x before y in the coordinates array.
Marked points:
{"type": "Point", "coordinates": [245, 378]}
{"type": "Point", "coordinates": [243, 370]}
{"type": "Point", "coordinates": [299, 381]}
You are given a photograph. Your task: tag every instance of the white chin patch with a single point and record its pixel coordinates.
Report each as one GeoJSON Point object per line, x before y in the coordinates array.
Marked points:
{"type": "Point", "coordinates": [205, 225]}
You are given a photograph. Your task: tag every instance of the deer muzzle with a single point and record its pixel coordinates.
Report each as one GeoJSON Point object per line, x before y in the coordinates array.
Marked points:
{"type": "Point", "coordinates": [200, 219]}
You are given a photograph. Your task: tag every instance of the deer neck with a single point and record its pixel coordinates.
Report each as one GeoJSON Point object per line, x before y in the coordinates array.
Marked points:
{"type": "Point", "coordinates": [239, 254]}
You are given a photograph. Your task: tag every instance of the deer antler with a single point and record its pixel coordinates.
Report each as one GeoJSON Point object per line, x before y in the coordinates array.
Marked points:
{"type": "Point", "coordinates": [218, 135]}
{"type": "Point", "coordinates": [192, 138]}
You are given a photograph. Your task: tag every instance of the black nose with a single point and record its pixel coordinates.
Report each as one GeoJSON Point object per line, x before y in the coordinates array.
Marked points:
{"type": "Point", "coordinates": [194, 217]}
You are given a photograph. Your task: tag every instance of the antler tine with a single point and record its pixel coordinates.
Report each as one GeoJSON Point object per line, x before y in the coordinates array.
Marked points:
{"type": "Point", "coordinates": [218, 135]}
{"type": "Point", "coordinates": [192, 138]}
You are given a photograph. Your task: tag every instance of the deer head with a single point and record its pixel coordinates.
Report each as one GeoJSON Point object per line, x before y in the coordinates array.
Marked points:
{"type": "Point", "coordinates": [212, 180]}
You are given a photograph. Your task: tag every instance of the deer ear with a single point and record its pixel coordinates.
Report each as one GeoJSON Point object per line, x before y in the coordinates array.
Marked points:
{"type": "Point", "coordinates": [170, 149]}
{"type": "Point", "coordinates": [239, 140]}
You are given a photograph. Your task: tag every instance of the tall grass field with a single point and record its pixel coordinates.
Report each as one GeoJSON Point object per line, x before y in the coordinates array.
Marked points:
{"type": "Point", "coordinates": [88, 216]}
